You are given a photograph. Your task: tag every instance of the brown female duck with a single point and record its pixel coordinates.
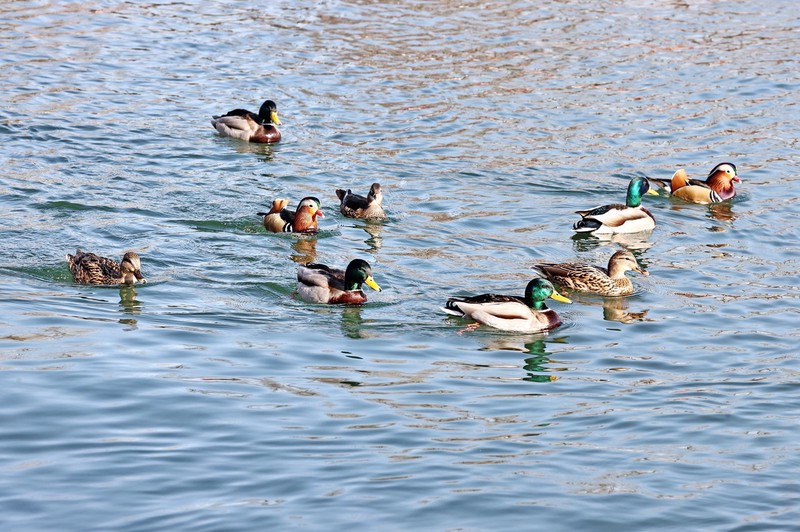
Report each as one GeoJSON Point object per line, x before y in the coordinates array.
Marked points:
{"type": "Point", "coordinates": [88, 268]}
{"type": "Point", "coordinates": [582, 277]}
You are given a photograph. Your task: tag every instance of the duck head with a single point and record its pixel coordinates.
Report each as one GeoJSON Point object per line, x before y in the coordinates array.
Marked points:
{"type": "Point", "coordinates": [638, 187]}
{"type": "Point", "coordinates": [268, 114]}
{"type": "Point", "coordinates": [623, 261]}
{"type": "Point", "coordinates": [312, 205]}
{"type": "Point", "coordinates": [375, 193]}
{"type": "Point", "coordinates": [540, 289]}
{"type": "Point", "coordinates": [359, 272]}
{"type": "Point", "coordinates": [131, 268]}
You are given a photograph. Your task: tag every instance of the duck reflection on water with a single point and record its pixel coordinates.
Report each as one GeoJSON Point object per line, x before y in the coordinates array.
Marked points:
{"type": "Point", "coordinates": [304, 249]}
{"type": "Point", "coordinates": [129, 305]}
{"type": "Point", "coordinates": [539, 366]}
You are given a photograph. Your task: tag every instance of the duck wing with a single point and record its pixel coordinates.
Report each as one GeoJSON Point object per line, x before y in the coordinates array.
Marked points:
{"type": "Point", "coordinates": [570, 269]}
{"type": "Point", "coordinates": [240, 112]}
{"type": "Point", "coordinates": [660, 183]}
{"type": "Point", "coordinates": [91, 268]}
{"type": "Point", "coordinates": [598, 212]}
{"type": "Point", "coordinates": [287, 216]}
{"type": "Point", "coordinates": [232, 124]}
{"type": "Point", "coordinates": [109, 267]}
{"type": "Point", "coordinates": [320, 275]}
{"type": "Point", "coordinates": [499, 306]}
{"type": "Point", "coordinates": [354, 201]}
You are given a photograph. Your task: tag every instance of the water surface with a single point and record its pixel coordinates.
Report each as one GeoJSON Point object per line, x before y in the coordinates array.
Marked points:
{"type": "Point", "coordinates": [212, 399]}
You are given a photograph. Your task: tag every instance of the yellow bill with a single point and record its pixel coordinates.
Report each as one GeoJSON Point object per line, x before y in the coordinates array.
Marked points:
{"type": "Point", "coordinates": [558, 297]}
{"type": "Point", "coordinates": [369, 281]}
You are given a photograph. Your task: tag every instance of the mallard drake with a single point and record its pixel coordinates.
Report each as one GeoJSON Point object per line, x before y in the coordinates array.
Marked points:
{"type": "Point", "coordinates": [511, 313]}
{"type": "Point", "coordinates": [609, 281]}
{"type": "Point", "coordinates": [245, 125]}
{"type": "Point", "coordinates": [618, 218]}
{"type": "Point", "coordinates": [88, 268]}
{"type": "Point", "coordinates": [318, 283]}
{"type": "Point", "coordinates": [279, 219]}
{"type": "Point", "coordinates": [717, 187]}
{"type": "Point", "coordinates": [355, 206]}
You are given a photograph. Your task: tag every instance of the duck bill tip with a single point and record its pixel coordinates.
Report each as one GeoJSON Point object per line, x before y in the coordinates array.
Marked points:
{"type": "Point", "coordinates": [559, 297]}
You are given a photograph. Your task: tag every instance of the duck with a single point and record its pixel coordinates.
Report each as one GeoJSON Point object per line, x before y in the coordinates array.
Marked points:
{"type": "Point", "coordinates": [525, 314]}
{"type": "Point", "coordinates": [245, 125]}
{"type": "Point", "coordinates": [318, 283]}
{"type": "Point", "coordinates": [610, 281]}
{"type": "Point", "coordinates": [618, 218]}
{"type": "Point", "coordinates": [717, 187]}
{"type": "Point", "coordinates": [279, 219]}
{"type": "Point", "coordinates": [355, 206]}
{"type": "Point", "coordinates": [88, 268]}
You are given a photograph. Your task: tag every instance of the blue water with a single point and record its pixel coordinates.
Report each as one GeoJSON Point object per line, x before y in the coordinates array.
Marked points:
{"type": "Point", "coordinates": [212, 399]}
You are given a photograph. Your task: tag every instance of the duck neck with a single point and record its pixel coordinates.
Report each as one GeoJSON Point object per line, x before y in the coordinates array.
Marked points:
{"type": "Point", "coordinates": [634, 198]}
{"type": "Point", "coordinates": [304, 220]}
{"type": "Point", "coordinates": [722, 186]}
{"type": "Point", "coordinates": [616, 271]}
{"type": "Point", "coordinates": [352, 281]}
{"type": "Point", "coordinates": [540, 306]}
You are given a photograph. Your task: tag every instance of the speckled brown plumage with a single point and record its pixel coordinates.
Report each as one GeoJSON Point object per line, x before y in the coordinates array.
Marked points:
{"type": "Point", "coordinates": [88, 268]}
{"type": "Point", "coordinates": [582, 277]}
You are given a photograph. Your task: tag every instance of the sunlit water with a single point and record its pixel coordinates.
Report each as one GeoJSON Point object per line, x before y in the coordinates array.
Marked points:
{"type": "Point", "coordinates": [212, 399]}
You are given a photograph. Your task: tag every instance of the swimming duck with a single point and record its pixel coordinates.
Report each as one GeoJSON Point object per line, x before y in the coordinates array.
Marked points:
{"type": "Point", "coordinates": [245, 125]}
{"type": "Point", "coordinates": [511, 313]}
{"type": "Point", "coordinates": [618, 218]}
{"type": "Point", "coordinates": [355, 206]}
{"type": "Point", "coordinates": [318, 283]}
{"type": "Point", "coordinates": [279, 219]}
{"type": "Point", "coordinates": [609, 281]}
{"type": "Point", "coordinates": [88, 268]}
{"type": "Point", "coordinates": [717, 187]}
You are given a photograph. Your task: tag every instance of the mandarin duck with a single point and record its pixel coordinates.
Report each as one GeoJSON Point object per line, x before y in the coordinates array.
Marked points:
{"type": "Point", "coordinates": [717, 187]}
{"type": "Point", "coordinates": [279, 219]}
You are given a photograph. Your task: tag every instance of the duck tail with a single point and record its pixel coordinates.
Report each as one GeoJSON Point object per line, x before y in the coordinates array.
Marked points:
{"type": "Point", "coordinates": [587, 225]}
{"type": "Point", "coordinates": [451, 308]}
{"type": "Point", "coordinates": [659, 183]}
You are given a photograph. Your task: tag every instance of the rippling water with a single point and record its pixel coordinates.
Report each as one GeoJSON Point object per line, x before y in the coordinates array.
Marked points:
{"type": "Point", "coordinates": [211, 399]}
